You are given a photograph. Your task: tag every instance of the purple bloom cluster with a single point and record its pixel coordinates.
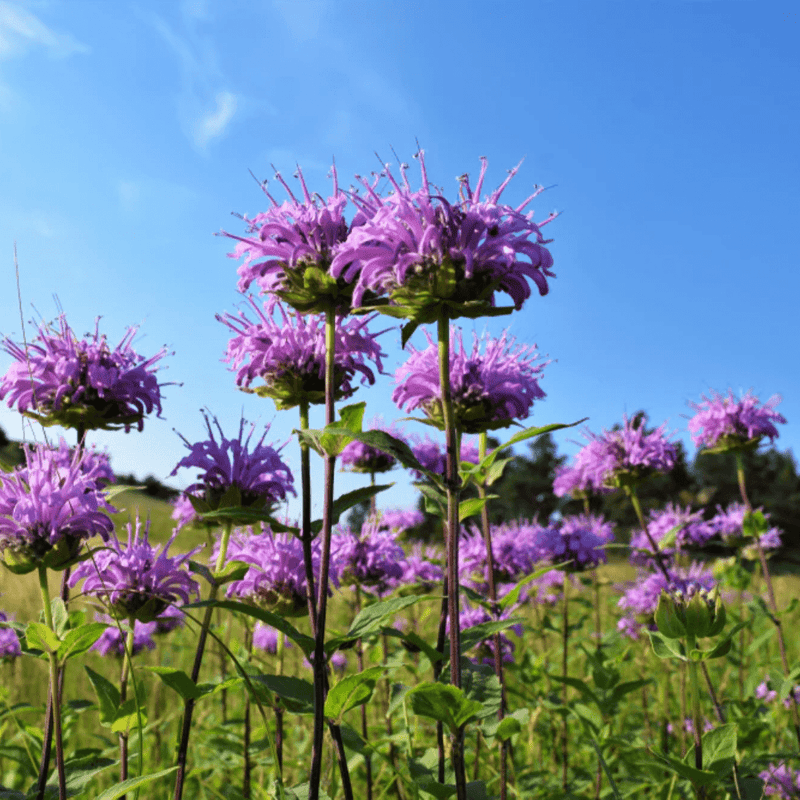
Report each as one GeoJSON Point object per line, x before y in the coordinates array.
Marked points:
{"type": "Point", "coordinates": [259, 475]}
{"type": "Point", "coordinates": [579, 539]}
{"type": "Point", "coordinates": [137, 580]}
{"type": "Point", "coordinates": [276, 580]}
{"type": "Point", "coordinates": [769, 695]}
{"type": "Point", "coordinates": [615, 457]}
{"type": "Point", "coordinates": [469, 617]}
{"type": "Point", "coordinates": [289, 355]}
{"type": "Point", "coordinates": [9, 642]}
{"type": "Point", "coordinates": [81, 383]}
{"type": "Point", "coordinates": [265, 638]}
{"type": "Point", "coordinates": [373, 559]}
{"type": "Point", "coordinates": [728, 525]}
{"type": "Point", "coordinates": [359, 457]}
{"type": "Point", "coordinates": [415, 236]}
{"type": "Point", "coordinates": [433, 457]}
{"type": "Point", "coordinates": [422, 568]}
{"type": "Point", "coordinates": [727, 422]}
{"type": "Point", "coordinates": [490, 389]}
{"type": "Point", "coordinates": [780, 780]}
{"type": "Point", "coordinates": [641, 597]}
{"type": "Point", "coordinates": [112, 640]}
{"type": "Point", "coordinates": [50, 505]}
{"type": "Point", "coordinates": [690, 531]}
{"type": "Point", "coordinates": [290, 238]}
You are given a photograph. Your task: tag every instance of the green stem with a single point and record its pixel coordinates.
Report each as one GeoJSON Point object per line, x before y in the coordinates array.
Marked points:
{"type": "Point", "coordinates": [188, 708]}
{"type": "Point", "coordinates": [634, 498]}
{"type": "Point", "coordinates": [564, 695]}
{"type": "Point", "coordinates": [697, 720]}
{"type": "Point", "coordinates": [483, 444]}
{"type": "Point", "coordinates": [123, 696]}
{"type": "Point", "coordinates": [306, 536]}
{"type": "Point", "coordinates": [452, 485]}
{"type": "Point", "coordinates": [54, 679]}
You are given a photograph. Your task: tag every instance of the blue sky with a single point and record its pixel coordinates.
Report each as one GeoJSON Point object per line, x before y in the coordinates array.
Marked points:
{"type": "Point", "coordinates": [667, 132]}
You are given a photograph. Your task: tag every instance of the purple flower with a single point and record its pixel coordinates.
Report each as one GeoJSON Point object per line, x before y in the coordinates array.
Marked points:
{"type": "Point", "coordinates": [359, 457]}
{"type": "Point", "coordinates": [579, 539]}
{"type": "Point", "coordinates": [780, 780]}
{"type": "Point", "coordinates": [682, 528]}
{"type": "Point", "coordinates": [421, 250]}
{"type": "Point", "coordinates": [265, 638]}
{"type": "Point", "coordinates": [616, 458]}
{"type": "Point", "coordinates": [723, 423]}
{"type": "Point", "coordinates": [276, 580]}
{"type": "Point", "coordinates": [170, 619]}
{"type": "Point", "coordinates": [422, 568]}
{"type": "Point", "coordinates": [728, 525]}
{"type": "Point", "coordinates": [640, 597]}
{"type": "Point", "coordinates": [289, 248]}
{"type": "Point", "coordinates": [433, 457]}
{"type": "Point", "coordinates": [60, 379]}
{"type": "Point", "coordinates": [137, 580]}
{"type": "Point", "coordinates": [400, 520]}
{"type": "Point", "coordinates": [183, 512]}
{"type": "Point", "coordinates": [372, 560]}
{"type": "Point", "coordinates": [289, 355]}
{"type": "Point", "coordinates": [490, 389]}
{"type": "Point", "coordinates": [469, 617]}
{"type": "Point", "coordinates": [233, 474]}
{"type": "Point", "coordinates": [49, 506]}
{"type": "Point", "coordinates": [9, 642]}
{"type": "Point", "coordinates": [112, 640]}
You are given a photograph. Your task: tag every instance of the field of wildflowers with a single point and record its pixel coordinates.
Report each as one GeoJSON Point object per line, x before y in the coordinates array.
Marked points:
{"type": "Point", "coordinates": [307, 659]}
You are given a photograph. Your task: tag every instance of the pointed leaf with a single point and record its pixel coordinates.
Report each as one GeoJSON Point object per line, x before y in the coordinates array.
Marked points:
{"type": "Point", "coordinates": [79, 640]}
{"type": "Point", "coordinates": [120, 789]}
{"type": "Point", "coordinates": [369, 619]}
{"type": "Point", "coordinates": [40, 637]}
{"type": "Point", "coordinates": [178, 681]}
{"type": "Point", "coordinates": [107, 696]}
{"type": "Point", "coordinates": [352, 691]}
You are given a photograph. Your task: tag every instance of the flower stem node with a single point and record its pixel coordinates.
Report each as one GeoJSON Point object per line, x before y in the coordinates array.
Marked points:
{"type": "Point", "coordinates": [58, 556]}
{"type": "Point", "coordinates": [699, 616]}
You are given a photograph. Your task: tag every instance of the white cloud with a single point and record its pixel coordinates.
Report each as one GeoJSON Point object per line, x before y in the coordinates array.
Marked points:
{"type": "Point", "coordinates": [302, 18]}
{"type": "Point", "coordinates": [21, 30]}
{"type": "Point", "coordinates": [213, 125]}
{"type": "Point", "coordinates": [206, 106]}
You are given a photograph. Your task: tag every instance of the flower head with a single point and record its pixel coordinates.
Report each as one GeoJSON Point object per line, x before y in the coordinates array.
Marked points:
{"type": "Point", "coordinates": [671, 528]}
{"type": "Point", "coordinates": [289, 248]}
{"type": "Point", "coordinates": [289, 355]}
{"type": "Point", "coordinates": [724, 423]}
{"type": "Point", "coordinates": [372, 559]}
{"type": "Point", "coordinates": [490, 389]}
{"type": "Point", "coordinates": [433, 457]}
{"type": "Point", "coordinates": [616, 458]}
{"type": "Point", "coordinates": [49, 506]}
{"type": "Point", "coordinates": [137, 580]}
{"type": "Point", "coordinates": [112, 640]}
{"type": "Point", "coordinates": [424, 251]}
{"type": "Point", "coordinates": [59, 379]}
{"type": "Point", "coordinates": [9, 641]}
{"type": "Point", "coordinates": [470, 617]}
{"type": "Point", "coordinates": [360, 457]}
{"type": "Point", "coordinates": [232, 474]}
{"type": "Point", "coordinates": [276, 580]}
{"type": "Point", "coordinates": [780, 780]}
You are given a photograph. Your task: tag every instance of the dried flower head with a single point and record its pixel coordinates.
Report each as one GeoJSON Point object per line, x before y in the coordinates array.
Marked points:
{"type": "Point", "coordinates": [59, 379]}
{"type": "Point", "coordinates": [288, 355]}
{"type": "Point", "coordinates": [491, 386]}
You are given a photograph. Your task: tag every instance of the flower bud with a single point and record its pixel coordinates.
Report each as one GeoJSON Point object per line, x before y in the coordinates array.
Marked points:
{"type": "Point", "coordinates": [669, 617]}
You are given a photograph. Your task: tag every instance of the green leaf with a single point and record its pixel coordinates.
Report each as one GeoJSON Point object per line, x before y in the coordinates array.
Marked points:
{"type": "Point", "coordinates": [120, 789]}
{"type": "Point", "coordinates": [178, 681]}
{"type": "Point", "coordinates": [722, 648]}
{"type": "Point", "coordinates": [507, 728]}
{"type": "Point", "coordinates": [40, 637]}
{"type": "Point", "coordinates": [60, 616]}
{"type": "Point", "coordinates": [79, 640]}
{"type": "Point", "coordinates": [348, 500]}
{"type": "Point", "coordinates": [578, 684]}
{"type": "Point", "coordinates": [443, 703]}
{"type": "Point", "coordinates": [128, 716]}
{"type": "Point", "coordinates": [107, 696]}
{"type": "Point", "coordinates": [115, 491]}
{"type": "Point", "coordinates": [512, 597]}
{"type": "Point", "coordinates": [370, 618]}
{"type": "Point", "coordinates": [296, 694]}
{"type": "Point", "coordinates": [406, 332]}
{"type": "Point", "coordinates": [232, 571]}
{"type": "Point", "coordinates": [719, 749]}
{"type": "Point", "coordinates": [472, 636]}
{"type": "Point", "coordinates": [696, 776]}
{"type": "Point", "coordinates": [302, 791]}
{"type": "Point", "coordinates": [473, 505]}
{"type": "Point", "coordinates": [305, 643]}
{"type": "Point", "coordinates": [352, 691]}
{"type": "Point", "coordinates": [667, 648]}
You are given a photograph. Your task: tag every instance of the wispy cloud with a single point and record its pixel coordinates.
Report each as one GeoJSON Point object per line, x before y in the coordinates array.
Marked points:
{"type": "Point", "coordinates": [206, 106]}
{"type": "Point", "coordinates": [21, 30]}
{"type": "Point", "coordinates": [302, 18]}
